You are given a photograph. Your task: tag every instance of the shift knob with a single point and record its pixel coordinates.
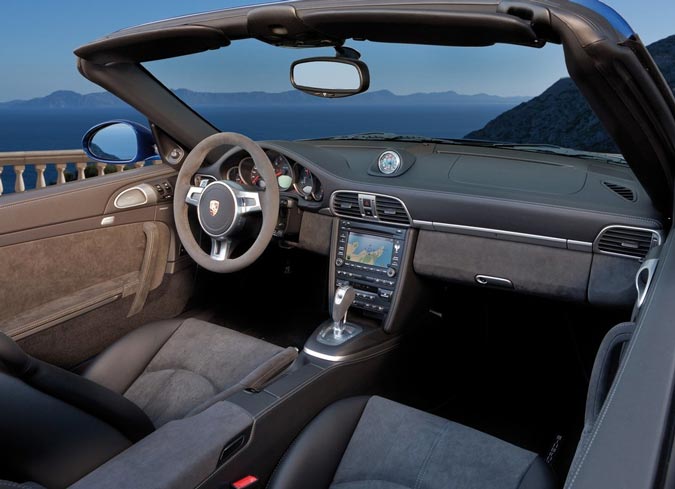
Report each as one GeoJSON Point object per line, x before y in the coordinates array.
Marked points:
{"type": "Point", "coordinates": [344, 297]}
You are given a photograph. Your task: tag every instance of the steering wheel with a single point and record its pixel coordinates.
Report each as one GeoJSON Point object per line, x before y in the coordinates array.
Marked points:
{"type": "Point", "coordinates": [223, 207]}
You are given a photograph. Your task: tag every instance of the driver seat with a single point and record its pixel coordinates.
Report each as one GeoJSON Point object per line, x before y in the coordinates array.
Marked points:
{"type": "Point", "coordinates": [177, 368]}
{"type": "Point", "coordinates": [58, 426]}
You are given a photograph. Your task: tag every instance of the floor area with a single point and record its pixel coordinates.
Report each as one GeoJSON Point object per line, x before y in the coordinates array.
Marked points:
{"type": "Point", "coordinates": [515, 367]}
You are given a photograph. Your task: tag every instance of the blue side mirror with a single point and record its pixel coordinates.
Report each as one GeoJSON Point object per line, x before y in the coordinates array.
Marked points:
{"type": "Point", "coordinates": [119, 143]}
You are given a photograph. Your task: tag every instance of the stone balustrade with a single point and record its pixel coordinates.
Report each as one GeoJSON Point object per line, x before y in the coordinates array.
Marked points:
{"type": "Point", "coordinates": [20, 161]}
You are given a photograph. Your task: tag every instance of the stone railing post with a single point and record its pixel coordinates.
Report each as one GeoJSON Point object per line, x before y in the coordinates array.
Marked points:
{"type": "Point", "coordinates": [100, 168]}
{"type": "Point", "coordinates": [1, 187]}
{"type": "Point", "coordinates": [80, 170]}
{"type": "Point", "coordinates": [19, 185]}
{"type": "Point", "coordinates": [40, 181]}
{"type": "Point", "coordinates": [60, 173]}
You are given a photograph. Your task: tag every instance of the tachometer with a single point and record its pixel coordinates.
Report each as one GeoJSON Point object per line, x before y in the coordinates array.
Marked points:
{"type": "Point", "coordinates": [282, 168]}
{"type": "Point", "coordinates": [284, 172]}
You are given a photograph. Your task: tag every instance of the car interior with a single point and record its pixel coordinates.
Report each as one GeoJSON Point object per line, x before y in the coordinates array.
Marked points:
{"type": "Point", "coordinates": [356, 312]}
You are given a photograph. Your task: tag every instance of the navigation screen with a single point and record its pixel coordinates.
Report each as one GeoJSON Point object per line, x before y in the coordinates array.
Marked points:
{"type": "Point", "coordinates": [369, 250]}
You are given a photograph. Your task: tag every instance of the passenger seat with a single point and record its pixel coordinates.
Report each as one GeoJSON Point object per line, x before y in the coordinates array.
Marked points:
{"type": "Point", "coordinates": [374, 443]}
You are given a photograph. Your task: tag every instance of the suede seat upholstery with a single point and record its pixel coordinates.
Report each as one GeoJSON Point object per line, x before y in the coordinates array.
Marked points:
{"type": "Point", "coordinates": [58, 426]}
{"type": "Point", "coordinates": [374, 443]}
{"type": "Point", "coordinates": [176, 368]}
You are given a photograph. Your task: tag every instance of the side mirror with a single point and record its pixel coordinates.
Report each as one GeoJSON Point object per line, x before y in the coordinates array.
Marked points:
{"type": "Point", "coordinates": [330, 77]}
{"type": "Point", "coordinates": [119, 143]}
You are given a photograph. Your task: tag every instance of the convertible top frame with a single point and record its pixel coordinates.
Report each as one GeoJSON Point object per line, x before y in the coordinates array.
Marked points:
{"type": "Point", "coordinates": [604, 57]}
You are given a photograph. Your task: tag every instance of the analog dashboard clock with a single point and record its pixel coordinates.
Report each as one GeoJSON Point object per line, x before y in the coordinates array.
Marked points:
{"type": "Point", "coordinates": [389, 162]}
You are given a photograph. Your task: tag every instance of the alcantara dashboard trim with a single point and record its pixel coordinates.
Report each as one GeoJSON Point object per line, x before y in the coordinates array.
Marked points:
{"type": "Point", "coordinates": [505, 235]}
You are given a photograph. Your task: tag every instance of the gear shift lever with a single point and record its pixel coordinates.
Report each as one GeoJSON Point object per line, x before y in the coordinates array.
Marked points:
{"type": "Point", "coordinates": [338, 330]}
{"type": "Point", "coordinates": [344, 298]}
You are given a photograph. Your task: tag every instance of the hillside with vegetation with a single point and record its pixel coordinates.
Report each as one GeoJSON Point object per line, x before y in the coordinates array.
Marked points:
{"type": "Point", "coordinates": [561, 115]}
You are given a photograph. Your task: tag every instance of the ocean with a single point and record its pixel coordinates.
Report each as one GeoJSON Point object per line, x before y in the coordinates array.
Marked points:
{"type": "Point", "coordinates": [51, 129]}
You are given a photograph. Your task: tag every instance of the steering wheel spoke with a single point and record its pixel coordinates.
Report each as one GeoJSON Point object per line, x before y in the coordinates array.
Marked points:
{"type": "Point", "coordinates": [221, 249]}
{"type": "Point", "coordinates": [249, 201]}
{"type": "Point", "coordinates": [194, 195]}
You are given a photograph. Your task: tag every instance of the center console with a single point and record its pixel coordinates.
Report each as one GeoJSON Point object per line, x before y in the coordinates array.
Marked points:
{"type": "Point", "coordinates": [369, 258]}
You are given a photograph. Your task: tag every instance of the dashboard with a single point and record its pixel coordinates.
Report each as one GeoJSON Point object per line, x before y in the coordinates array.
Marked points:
{"type": "Point", "coordinates": [544, 224]}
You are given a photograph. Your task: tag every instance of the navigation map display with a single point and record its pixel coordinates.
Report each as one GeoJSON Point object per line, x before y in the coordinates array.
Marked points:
{"type": "Point", "coordinates": [369, 250]}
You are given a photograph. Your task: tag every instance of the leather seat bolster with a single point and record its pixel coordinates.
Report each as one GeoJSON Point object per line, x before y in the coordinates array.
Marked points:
{"type": "Point", "coordinates": [92, 398]}
{"type": "Point", "coordinates": [314, 456]}
{"type": "Point", "coordinates": [538, 476]}
{"type": "Point", "coordinates": [122, 363]}
{"type": "Point", "coordinates": [81, 393]}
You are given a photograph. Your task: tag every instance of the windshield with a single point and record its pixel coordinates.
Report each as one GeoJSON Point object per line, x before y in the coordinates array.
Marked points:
{"type": "Point", "coordinates": [499, 94]}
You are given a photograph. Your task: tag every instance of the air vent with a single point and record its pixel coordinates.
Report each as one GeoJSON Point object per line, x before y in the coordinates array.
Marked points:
{"type": "Point", "coordinates": [390, 209]}
{"type": "Point", "coordinates": [370, 207]}
{"type": "Point", "coordinates": [621, 190]}
{"type": "Point", "coordinates": [627, 241]}
{"type": "Point", "coordinates": [346, 204]}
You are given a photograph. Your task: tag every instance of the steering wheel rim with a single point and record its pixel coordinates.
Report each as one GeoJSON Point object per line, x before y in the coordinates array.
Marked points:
{"type": "Point", "coordinates": [244, 201]}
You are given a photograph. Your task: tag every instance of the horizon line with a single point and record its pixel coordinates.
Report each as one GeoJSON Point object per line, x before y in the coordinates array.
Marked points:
{"type": "Point", "coordinates": [270, 93]}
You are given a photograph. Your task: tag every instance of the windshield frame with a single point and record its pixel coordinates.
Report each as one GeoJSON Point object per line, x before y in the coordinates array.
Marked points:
{"type": "Point", "coordinates": [595, 47]}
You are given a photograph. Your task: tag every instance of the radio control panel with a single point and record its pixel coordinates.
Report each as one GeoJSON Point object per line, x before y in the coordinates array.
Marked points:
{"type": "Point", "coordinates": [369, 257]}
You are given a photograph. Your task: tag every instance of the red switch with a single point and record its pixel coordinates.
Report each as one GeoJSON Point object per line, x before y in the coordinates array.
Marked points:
{"type": "Point", "coordinates": [246, 482]}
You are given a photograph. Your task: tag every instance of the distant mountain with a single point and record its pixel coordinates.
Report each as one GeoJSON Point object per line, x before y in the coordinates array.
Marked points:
{"type": "Point", "coordinates": [562, 116]}
{"type": "Point", "coordinates": [64, 99]}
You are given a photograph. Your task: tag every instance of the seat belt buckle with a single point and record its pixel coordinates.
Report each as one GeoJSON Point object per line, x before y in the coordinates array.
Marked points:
{"type": "Point", "coordinates": [248, 482]}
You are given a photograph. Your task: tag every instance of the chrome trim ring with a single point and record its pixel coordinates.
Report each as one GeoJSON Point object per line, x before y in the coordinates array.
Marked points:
{"type": "Point", "coordinates": [375, 218]}
{"type": "Point", "coordinates": [396, 162]}
{"type": "Point", "coordinates": [137, 187]}
{"type": "Point", "coordinates": [654, 232]}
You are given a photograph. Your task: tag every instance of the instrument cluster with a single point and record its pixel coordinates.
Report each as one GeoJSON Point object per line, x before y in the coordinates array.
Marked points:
{"type": "Point", "coordinates": [291, 177]}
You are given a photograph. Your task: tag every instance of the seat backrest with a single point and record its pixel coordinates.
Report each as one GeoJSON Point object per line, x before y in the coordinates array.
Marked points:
{"type": "Point", "coordinates": [56, 426]}
{"type": "Point", "coordinates": [607, 363]}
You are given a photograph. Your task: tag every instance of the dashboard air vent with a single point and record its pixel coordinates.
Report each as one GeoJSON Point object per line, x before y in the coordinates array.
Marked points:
{"type": "Point", "coordinates": [370, 207]}
{"type": "Point", "coordinates": [621, 190]}
{"type": "Point", "coordinates": [391, 210]}
{"type": "Point", "coordinates": [346, 204]}
{"type": "Point", "coordinates": [627, 241]}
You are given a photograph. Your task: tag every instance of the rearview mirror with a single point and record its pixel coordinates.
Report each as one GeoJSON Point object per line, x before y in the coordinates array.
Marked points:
{"type": "Point", "coordinates": [119, 143]}
{"type": "Point", "coordinates": [330, 77]}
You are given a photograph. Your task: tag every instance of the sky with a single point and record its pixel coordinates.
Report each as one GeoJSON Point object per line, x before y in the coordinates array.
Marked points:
{"type": "Point", "coordinates": [37, 39]}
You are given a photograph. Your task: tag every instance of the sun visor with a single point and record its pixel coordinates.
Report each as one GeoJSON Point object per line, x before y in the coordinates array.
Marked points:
{"type": "Point", "coordinates": [152, 45]}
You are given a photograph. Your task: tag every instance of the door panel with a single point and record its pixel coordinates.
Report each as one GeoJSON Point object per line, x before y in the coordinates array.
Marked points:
{"type": "Point", "coordinates": [70, 202]}
{"type": "Point", "coordinates": [78, 272]}
{"type": "Point", "coordinates": [58, 277]}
